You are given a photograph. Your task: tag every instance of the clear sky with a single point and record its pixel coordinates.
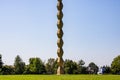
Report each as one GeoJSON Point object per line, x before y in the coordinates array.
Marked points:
{"type": "Point", "coordinates": [91, 30]}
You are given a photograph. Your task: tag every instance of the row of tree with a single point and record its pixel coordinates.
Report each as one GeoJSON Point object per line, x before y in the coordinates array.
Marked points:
{"type": "Point", "coordinates": [37, 66]}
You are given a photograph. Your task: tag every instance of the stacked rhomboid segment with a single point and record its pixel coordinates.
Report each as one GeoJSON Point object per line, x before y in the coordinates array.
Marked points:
{"type": "Point", "coordinates": [60, 52]}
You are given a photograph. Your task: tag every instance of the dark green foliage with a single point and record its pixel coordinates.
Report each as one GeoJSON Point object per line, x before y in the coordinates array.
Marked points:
{"type": "Point", "coordinates": [106, 70]}
{"type": "Point", "coordinates": [51, 66]}
{"type": "Point", "coordinates": [81, 63]}
{"type": "Point", "coordinates": [115, 66]}
{"type": "Point", "coordinates": [7, 70]}
{"type": "Point", "coordinates": [1, 63]}
{"type": "Point", "coordinates": [55, 67]}
{"type": "Point", "coordinates": [81, 69]}
{"type": "Point", "coordinates": [70, 67]}
{"type": "Point", "coordinates": [92, 68]}
{"type": "Point", "coordinates": [19, 65]}
{"type": "Point", "coordinates": [27, 70]}
{"type": "Point", "coordinates": [84, 70]}
{"type": "Point", "coordinates": [36, 66]}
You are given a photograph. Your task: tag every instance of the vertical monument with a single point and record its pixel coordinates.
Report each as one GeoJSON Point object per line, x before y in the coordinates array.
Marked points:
{"type": "Point", "coordinates": [60, 52]}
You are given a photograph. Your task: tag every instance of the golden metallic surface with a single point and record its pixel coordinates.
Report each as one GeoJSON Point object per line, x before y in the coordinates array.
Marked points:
{"type": "Point", "coordinates": [59, 52]}
{"type": "Point", "coordinates": [60, 15]}
{"type": "Point", "coordinates": [60, 42]}
{"type": "Point", "coordinates": [59, 5]}
{"type": "Point", "coordinates": [59, 24]}
{"type": "Point", "coordinates": [59, 33]}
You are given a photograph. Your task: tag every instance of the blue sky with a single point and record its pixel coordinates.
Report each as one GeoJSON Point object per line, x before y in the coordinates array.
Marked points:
{"type": "Point", "coordinates": [91, 30]}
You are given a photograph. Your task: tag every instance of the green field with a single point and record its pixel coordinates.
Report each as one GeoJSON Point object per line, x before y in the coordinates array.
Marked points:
{"type": "Point", "coordinates": [62, 77]}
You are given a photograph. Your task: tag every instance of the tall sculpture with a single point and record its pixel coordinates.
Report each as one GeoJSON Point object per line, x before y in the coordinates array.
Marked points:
{"type": "Point", "coordinates": [60, 52]}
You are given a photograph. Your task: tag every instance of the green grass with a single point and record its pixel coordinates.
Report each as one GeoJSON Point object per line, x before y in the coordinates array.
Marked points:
{"type": "Point", "coordinates": [62, 77]}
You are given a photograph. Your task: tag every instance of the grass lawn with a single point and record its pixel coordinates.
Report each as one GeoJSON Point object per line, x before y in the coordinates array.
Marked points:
{"type": "Point", "coordinates": [62, 77]}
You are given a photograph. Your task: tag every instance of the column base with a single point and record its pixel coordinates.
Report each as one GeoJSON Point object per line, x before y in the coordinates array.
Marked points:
{"type": "Point", "coordinates": [60, 70]}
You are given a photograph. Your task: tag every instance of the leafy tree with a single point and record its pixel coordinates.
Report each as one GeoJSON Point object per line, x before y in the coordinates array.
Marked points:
{"type": "Point", "coordinates": [7, 70]}
{"type": "Point", "coordinates": [81, 63]}
{"type": "Point", "coordinates": [36, 66]}
{"type": "Point", "coordinates": [81, 68]}
{"type": "Point", "coordinates": [106, 70]}
{"type": "Point", "coordinates": [84, 70]}
{"type": "Point", "coordinates": [1, 63]}
{"type": "Point", "coordinates": [92, 68]}
{"type": "Point", "coordinates": [55, 66]}
{"type": "Point", "coordinates": [50, 66]}
{"type": "Point", "coordinates": [70, 67]}
{"type": "Point", "coordinates": [115, 66]}
{"type": "Point", "coordinates": [27, 70]}
{"type": "Point", "coordinates": [19, 65]}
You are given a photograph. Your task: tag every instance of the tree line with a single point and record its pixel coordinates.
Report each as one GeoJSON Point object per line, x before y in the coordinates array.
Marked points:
{"type": "Point", "coordinates": [37, 66]}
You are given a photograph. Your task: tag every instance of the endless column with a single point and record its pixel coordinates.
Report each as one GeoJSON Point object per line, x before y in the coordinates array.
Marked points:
{"type": "Point", "coordinates": [60, 52]}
